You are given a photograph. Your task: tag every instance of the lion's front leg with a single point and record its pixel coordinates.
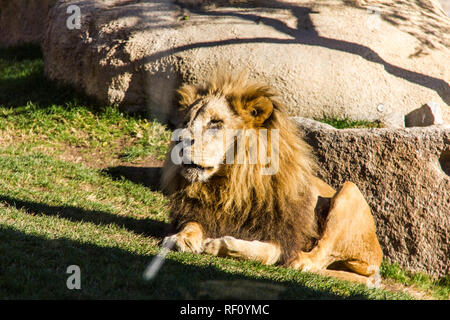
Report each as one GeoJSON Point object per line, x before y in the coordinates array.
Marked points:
{"type": "Point", "coordinates": [190, 239]}
{"type": "Point", "coordinates": [264, 252]}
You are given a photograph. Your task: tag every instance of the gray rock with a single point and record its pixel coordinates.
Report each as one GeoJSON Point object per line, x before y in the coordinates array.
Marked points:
{"type": "Point", "coordinates": [23, 21]}
{"type": "Point", "coordinates": [326, 58]}
{"type": "Point", "coordinates": [404, 175]}
{"type": "Point", "coordinates": [429, 114]}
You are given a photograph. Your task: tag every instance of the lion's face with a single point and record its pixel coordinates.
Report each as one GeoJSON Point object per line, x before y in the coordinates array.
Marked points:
{"type": "Point", "coordinates": [211, 126]}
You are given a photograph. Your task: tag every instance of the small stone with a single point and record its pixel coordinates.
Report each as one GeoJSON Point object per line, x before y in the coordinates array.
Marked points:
{"type": "Point", "coordinates": [427, 115]}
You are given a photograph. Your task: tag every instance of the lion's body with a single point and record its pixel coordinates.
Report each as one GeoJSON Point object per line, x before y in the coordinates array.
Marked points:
{"type": "Point", "coordinates": [233, 209]}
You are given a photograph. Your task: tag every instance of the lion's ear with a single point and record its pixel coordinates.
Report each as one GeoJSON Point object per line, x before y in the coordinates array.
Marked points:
{"type": "Point", "coordinates": [259, 110]}
{"type": "Point", "coordinates": [187, 95]}
{"type": "Point", "coordinates": [255, 105]}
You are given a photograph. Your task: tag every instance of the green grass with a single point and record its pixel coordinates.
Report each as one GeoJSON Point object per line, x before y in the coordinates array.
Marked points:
{"type": "Point", "coordinates": [439, 288]}
{"type": "Point", "coordinates": [78, 126]}
{"type": "Point", "coordinates": [345, 123]}
{"type": "Point", "coordinates": [55, 212]}
{"type": "Point", "coordinates": [49, 113]}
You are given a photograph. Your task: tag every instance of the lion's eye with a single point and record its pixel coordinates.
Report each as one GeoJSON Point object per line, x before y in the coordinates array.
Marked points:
{"type": "Point", "coordinates": [215, 124]}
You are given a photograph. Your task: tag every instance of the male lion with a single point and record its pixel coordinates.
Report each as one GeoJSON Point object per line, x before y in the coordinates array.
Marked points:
{"type": "Point", "coordinates": [234, 208]}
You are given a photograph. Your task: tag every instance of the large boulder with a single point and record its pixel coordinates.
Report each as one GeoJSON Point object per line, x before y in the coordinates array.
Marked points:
{"type": "Point", "coordinates": [405, 176]}
{"type": "Point", "coordinates": [23, 21]}
{"type": "Point", "coordinates": [355, 59]}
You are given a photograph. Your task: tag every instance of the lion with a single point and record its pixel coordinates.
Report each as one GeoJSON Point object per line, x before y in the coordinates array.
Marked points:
{"type": "Point", "coordinates": [285, 216]}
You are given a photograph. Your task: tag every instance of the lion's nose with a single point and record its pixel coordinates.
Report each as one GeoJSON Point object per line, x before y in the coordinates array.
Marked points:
{"type": "Point", "coordinates": [189, 142]}
{"type": "Point", "coordinates": [186, 144]}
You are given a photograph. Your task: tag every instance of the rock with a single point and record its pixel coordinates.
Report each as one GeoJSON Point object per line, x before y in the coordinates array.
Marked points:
{"type": "Point", "coordinates": [23, 21]}
{"type": "Point", "coordinates": [393, 120]}
{"type": "Point", "coordinates": [311, 124]}
{"type": "Point", "coordinates": [404, 175]}
{"type": "Point", "coordinates": [428, 115]}
{"type": "Point", "coordinates": [444, 160]}
{"type": "Point", "coordinates": [327, 58]}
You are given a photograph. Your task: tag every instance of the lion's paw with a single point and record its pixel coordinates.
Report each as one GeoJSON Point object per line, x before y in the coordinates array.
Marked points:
{"type": "Point", "coordinates": [183, 243]}
{"type": "Point", "coordinates": [220, 246]}
{"type": "Point", "coordinates": [213, 246]}
{"type": "Point", "coordinates": [216, 247]}
{"type": "Point", "coordinates": [303, 263]}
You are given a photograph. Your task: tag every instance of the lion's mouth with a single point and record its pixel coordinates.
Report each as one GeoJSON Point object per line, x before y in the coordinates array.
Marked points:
{"type": "Point", "coordinates": [196, 167]}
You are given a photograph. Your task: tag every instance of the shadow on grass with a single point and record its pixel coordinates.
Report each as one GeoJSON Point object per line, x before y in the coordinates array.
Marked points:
{"type": "Point", "coordinates": [147, 227]}
{"type": "Point", "coordinates": [146, 176]}
{"type": "Point", "coordinates": [34, 267]}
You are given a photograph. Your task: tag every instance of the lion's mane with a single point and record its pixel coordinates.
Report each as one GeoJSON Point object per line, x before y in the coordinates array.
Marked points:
{"type": "Point", "coordinates": [241, 202]}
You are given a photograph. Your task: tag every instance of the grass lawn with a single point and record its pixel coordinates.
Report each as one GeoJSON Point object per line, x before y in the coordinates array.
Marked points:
{"type": "Point", "coordinates": [77, 187]}
{"type": "Point", "coordinates": [348, 123]}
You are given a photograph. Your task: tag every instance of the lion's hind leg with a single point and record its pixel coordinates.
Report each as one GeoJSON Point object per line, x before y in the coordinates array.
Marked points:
{"type": "Point", "coordinates": [348, 238]}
